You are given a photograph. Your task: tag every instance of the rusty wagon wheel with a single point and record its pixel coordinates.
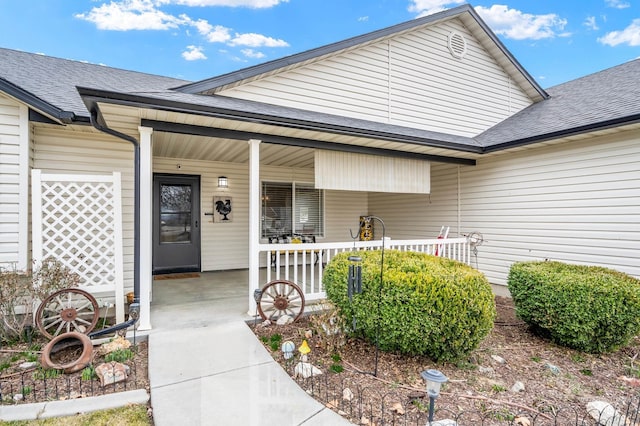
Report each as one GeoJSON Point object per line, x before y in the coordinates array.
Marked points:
{"type": "Point", "coordinates": [281, 297]}
{"type": "Point", "coordinates": [66, 310]}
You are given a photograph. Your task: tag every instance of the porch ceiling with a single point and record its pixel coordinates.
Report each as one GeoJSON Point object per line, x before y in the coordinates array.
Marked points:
{"type": "Point", "coordinates": [126, 119]}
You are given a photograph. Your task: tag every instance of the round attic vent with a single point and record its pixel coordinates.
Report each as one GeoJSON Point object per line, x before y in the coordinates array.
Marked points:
{"type": "Point", "coordinates": [457, 45]}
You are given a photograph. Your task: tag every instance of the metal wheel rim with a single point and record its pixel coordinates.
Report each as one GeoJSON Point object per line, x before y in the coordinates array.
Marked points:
{"type": "Point", "coordinates": [281, 297]}
{"type": "Point", "coordinates": [67, 310]}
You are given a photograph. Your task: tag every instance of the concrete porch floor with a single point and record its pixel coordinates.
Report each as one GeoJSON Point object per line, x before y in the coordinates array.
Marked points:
{"type": "Point", "coordinates": [213, 297]}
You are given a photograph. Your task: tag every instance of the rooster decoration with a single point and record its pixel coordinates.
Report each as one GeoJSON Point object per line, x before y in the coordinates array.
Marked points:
{"type": "Point", "coordinates": [224, 208]}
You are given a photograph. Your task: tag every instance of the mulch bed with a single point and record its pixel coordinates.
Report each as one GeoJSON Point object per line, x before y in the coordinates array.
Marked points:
{"type": "Point", "coordinates": [38, 385]}
{"type": "Point", "coordinates": [558, 382]}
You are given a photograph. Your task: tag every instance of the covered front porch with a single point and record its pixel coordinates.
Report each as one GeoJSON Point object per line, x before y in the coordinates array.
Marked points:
{"type": "Point", "coordinates": [387, 176]}
{"type": "Point", "coordinates": [188, 300]}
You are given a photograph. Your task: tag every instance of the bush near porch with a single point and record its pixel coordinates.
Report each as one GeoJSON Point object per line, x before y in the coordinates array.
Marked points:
{"type": "Point", "coordinates": [588, 308]}
{"type": "Point", "coordinates": [427, 305]}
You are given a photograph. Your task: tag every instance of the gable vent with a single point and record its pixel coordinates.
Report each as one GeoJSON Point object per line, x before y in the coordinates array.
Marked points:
{"type": "Point", "coordinates": [457, 45]}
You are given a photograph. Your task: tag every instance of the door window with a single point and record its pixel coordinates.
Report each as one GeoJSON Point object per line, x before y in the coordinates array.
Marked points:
{"type": "Point", "coordinates": [175, 213]}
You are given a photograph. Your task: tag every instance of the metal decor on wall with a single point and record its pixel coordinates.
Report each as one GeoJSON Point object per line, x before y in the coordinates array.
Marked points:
{"type": "Point", "coordinates": [223, 209]}
{"type": "Point", "coordinates": [366, 228]}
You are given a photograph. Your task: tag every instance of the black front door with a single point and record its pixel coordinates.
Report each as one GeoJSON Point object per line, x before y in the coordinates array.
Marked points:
{"type": "Point", "coordinates": [176, 223]}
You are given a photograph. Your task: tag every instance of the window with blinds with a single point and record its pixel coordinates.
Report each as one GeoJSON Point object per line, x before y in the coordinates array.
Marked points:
{"type": "Point", "coordinates": [291, 208]}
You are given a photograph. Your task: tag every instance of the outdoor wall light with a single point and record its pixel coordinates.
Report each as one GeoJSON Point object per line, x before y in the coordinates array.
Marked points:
{"type": "Point", "coordinates": [223, 182]}
{"type": "Point", "coordinates": [287, 349]}
{"type": "Point", "coordinates": [434, 379]}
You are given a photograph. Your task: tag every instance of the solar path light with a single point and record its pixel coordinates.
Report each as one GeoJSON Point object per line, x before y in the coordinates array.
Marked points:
{"type": "Point", "coordinates": [434, 379]}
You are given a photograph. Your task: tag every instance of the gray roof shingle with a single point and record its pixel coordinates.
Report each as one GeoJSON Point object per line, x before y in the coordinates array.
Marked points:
{"type": "Point", "coordinates": [54, 80]}
{"type": "Point", "coordinates": [608, 96]}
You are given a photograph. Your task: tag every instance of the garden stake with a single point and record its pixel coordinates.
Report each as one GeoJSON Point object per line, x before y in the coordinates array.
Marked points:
{"type": "Point", "coordinates": [354, 285]}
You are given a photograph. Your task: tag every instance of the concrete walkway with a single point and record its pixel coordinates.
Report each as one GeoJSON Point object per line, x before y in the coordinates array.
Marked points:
{"type": "Point", "coordinates": [206, 367]}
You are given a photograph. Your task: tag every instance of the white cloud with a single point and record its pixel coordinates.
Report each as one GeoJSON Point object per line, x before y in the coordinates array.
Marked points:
{"type": "Point", "coordinates": [618, 4]}
{"type": "Point", "coordinates": [130, 15]}
{"type": "Point", "coordinates": [590, 23]}
{"type": "Point", "coordinates": [213, 34]}
{"type": "Point", "coordinates": [124, 15]}
{"type": "Point", "coordinates": [428, 7]}
{"type": "Point", "coordinates": [250, 53]}
{"type": "Point", "coordinates": [517, 25]}
{"type": "Point", "coordinates": [193, 53]}
{"type": "Point", "coordinates": [256, 40]}
{"type": "Point", "coordinates": [253, 4]}
{"type": "Point", "coordinates": [363, 19]}
{"type": "Point", "coordinates": [629, 36]}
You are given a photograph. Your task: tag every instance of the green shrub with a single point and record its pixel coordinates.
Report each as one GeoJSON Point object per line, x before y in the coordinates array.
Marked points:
{"type": "Point", "coordinates": [429, 305]}
{"type": "Point", "coordinates": [588, 308]}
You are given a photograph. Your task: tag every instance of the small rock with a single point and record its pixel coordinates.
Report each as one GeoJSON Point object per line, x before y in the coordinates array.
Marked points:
{"type": "Point", "coordinates": [306, 370]}
{"type": "Point", "coordinates": [112, 372]}
{"type": "Point", "coordinates": [631, 380]}
{"type": "Point", "coordinates": [605, 414]}
{"type": "Point", "coordinates": [486, 370]}
{"type": "Point", "coordinates": [445, 422]}
{"type": "Point", "coordinates": [118, 343]}
{"type": "Point", "coordinates": [365, 421]}
{"type": "Point", "coordinates": [284, 320]}
{"type": "Point", "coordinates": [498, 359]}
{"type": "Point", "coordinates": [521, 421]}
{"type": "Point", "coordinates": [555, 370]}
{"type": "Point", "coordinates": [347, 394]}
{"type": "Point", "coordinates": [517, 387]}
{"type": "Point", "coordinates": [264, 324]}
{"type": "Point", "coordinates": [398, 408]}
{"type": "Point", "coordinates": [27, 365]}
{"type": "Point", "coordinates": [342, 413]}
{"type": "Point", "coordinates": [308, 334]}
{"type": "Point", "coordinates": [18, 397]}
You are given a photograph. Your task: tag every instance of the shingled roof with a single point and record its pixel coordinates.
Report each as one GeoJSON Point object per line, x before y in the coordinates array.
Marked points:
{"type": "Point", "coordinates": [607, 98]}
{"type": "Point", "coordinates": [49, 84]}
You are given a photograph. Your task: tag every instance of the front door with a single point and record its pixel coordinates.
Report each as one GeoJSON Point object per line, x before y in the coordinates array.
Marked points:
{"type": "Point", "coordinates": [176, 223]}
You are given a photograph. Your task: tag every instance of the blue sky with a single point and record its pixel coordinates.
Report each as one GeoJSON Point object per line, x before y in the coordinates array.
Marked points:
{"type": "Point", "coordinates": [555, 41]}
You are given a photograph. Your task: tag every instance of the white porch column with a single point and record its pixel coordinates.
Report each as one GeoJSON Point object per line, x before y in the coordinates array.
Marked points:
{"type": "Point", "coordinates": [254, 221]}
{"type": "Point", "coordinates": [146, 225]}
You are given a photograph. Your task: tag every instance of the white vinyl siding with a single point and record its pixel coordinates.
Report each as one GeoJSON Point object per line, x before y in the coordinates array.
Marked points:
{"type": "Point", "coordinates": [410, 80]}
{"type": "Point", "coordinates": [14, 184]}
{"type": "Point", "coordinates": [411, 216]}
{"type": "Point", "coordinates": [86, 151]}
{"type": "Point", "coordinates": [226, 245]}
{"type": "Point", "coordinates": [577, 202]}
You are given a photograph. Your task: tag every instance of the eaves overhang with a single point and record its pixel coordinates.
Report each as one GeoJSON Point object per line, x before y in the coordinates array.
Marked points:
{"type": "Point", "coordinates": [573, 131]}
{"type": "Point", "coordinates": [45, 108]}
{"type": "Point", "coordinates": [92, 97]}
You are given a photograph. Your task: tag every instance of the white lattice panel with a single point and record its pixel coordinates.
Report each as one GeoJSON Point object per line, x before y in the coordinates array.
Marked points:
{"type": "Point", "coordinates": [77, 219]}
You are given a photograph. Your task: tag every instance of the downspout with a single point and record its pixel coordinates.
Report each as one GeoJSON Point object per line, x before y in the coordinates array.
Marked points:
{"type": "Point", "coordinates": [135, 306]}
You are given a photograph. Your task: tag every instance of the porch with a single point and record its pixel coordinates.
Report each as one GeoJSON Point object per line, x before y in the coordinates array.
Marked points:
{"type": "Point", "coordinates": [223, 295]}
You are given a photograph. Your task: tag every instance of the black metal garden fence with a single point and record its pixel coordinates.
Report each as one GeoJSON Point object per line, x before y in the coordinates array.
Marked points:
{"type": "Point", "coordinates": [39, 385]}
{"type": "Point", "coordinates": [380, 406]}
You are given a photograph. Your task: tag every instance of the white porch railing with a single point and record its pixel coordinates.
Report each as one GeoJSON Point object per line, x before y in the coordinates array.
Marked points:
{"type": "Point", "coordinates": [304, 263]}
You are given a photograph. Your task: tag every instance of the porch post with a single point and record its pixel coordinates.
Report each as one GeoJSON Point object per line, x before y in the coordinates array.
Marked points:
{"type": "Point", "coordinates": [146, 221]}
{"type": "Point", "coordinates": [254, 221]}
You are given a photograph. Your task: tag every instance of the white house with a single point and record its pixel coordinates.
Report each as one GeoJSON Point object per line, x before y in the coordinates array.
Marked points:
{"type": "Point", "coordinates": [425, 124]}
